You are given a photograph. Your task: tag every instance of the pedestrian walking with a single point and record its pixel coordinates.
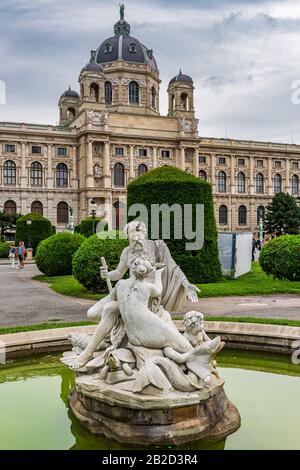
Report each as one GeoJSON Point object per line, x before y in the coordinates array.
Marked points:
{"type": "Point", "coordinates": [12, 255]}
{"type": "Point", "coordinates": [21, 254]}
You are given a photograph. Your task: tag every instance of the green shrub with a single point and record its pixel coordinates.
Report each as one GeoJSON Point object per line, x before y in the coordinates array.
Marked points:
{"type": "Point", "coordinates": [87, 261]}
{"type": "Point", "coordinates": [39, 229]}
{"type": "Point", "coordinates": [4, 249]}
{"type": "Point", "coordinates": [169, 185]}
{"type": "Point", "coordinates": [87, 225]}
{"type": "Point", "coordinates": [280, 257]}
{"type": "Point", "coordinates": [54, 255]}
{"type": "Point", "coordinates": [53, 230]}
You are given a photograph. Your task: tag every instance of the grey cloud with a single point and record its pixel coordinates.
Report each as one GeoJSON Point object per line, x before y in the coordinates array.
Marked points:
{"type": "Point", "coordinates": [235, 54]}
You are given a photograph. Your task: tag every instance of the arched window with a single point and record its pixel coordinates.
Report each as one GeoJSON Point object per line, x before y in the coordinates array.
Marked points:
{"type": "Point", "coordinates": [108, 93]}
{"type": "Point", "coordinates": [242, 215]}
{"type": "Point", "coordinates": [142, 169]}
{"type": "Point", "coordinates": [241, 182]}
{"type": "Point", "coordinates": [260, 213]}
{"type": "Point", "coordinates": [277, 184]}
{"type": "Point", "coordinates": [37, 208]}
{"type": "Point", "coordinates": [10, 207]}
{"type": "Point", "coordinates": [221, 182]}
{"type": "Point", "coordinates": [184, 101]}
{"type": "Point", "coordinates": [153, 97]}
{"type": "Point", "coordinates": [295, 184]}
{"type": "Point", "coordinates": [62, 213]}
{"type": "Point", "coordinates": [36, 174]}
{"type": "Point", "coordinates": [9, 172]}
{"type": "Point", "coordinates": [134, 97]}
{"type": "Point", "coordinates": [223, 215]}
{"type": "Point", "coordinates": [71, 113]}
{"type": "Point", "coordinates": [119, 175]}
{"type": "Point", "coordinates": [203, 175]}
{"type": "Point", "coordinates": [259, 183]}
{"type": "Point", "coordinates": [172, 103]}
{"type": "Point", "coordinates": [118, 216]}
{"type": "Point", "coordinates": [62, 175]}
{"type": "Point", "coordinates": [94, 91]}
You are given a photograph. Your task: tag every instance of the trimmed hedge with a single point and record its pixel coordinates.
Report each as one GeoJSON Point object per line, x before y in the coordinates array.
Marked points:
{"type": "Point", "coordinates": [86, 226]}
{"type": "Point", "coordinates": [40, 229]}
{"type": "Point", "coordinates": [4, 249]}
{"type": "Point", "coordinates": [280, 257]}
{"type": "Point", "coordinates": [169, 185]}
{"type": "Point", "coordinates": [87, 261]}
{"type": "Point", "coordinates": [54, 255]}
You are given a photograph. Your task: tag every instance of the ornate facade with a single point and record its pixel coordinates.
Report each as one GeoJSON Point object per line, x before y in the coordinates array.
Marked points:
{"type": "Point", "coordinates": [111, 132]}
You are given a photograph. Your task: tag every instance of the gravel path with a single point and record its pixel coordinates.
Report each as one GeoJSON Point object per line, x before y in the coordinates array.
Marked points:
{"type": "Point", "coordinates": [25, 302]}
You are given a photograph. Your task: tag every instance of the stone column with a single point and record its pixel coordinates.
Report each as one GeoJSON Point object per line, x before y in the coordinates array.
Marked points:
{"type": "Point", "coordinates": [287, 176]}
{"type": "Point", "coordinates": [24, 156]}
{"type": "Point", "coordinates": [270, 184]}
{"type": "Point", "coordinates": [131, 163]}
{"type": "Point", "coordinates": [232, 174]}
{"type": "Point", "coordinates": [74, 161]}
{"type": "Point", "coordinates": [251, 178]}
{"type": "Point", "coordinates": [182, 158]}
{"type": "Point", "coordinates": [106, 166]}
{"type": "Point", "coordinates": [89, 165]}
{"type": "Point", "coordinates": [213, 170]}
{"type": "Point", "coordinates": [154, 158]}
{"type": "Point", "coordinates": [196, 163]}
{"type": "Point", "coordinates": [49, 168]}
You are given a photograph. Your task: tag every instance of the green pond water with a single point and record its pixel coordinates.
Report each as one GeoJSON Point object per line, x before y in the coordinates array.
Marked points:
{"type": "Point", "coordinates": [34, 412]}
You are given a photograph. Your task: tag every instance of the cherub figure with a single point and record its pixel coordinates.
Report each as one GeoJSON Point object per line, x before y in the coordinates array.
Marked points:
{"type": "Point", "coordinates": [194, 328]}
{"type": "Point", "coordinates": [196, 335]}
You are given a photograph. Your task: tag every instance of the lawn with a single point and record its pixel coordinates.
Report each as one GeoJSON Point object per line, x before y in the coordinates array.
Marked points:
{"type": "Point", "coordinates": [68, 285]}
{"type": "Point", "coordinates": [253, 283]}
{"type": "Point", "coordinates": [51, 325]}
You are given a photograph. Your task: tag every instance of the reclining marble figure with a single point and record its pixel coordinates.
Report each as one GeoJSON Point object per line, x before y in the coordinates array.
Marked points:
{"type": "Point", "coordinates": [144, 329]}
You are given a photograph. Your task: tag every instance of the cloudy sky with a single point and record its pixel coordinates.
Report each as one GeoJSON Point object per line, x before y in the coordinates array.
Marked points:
{"type": "Point", "coordinates": [243, 56]}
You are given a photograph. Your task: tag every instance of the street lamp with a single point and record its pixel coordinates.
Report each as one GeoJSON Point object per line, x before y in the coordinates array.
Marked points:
{"type": "Point", "coordinates": [93, 213]}
{"type": "Point", "coordinates": [29, 222]}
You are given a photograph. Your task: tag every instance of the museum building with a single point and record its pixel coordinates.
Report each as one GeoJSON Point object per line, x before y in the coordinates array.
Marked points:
{"type": "Point", "coordinates": [111, 131]}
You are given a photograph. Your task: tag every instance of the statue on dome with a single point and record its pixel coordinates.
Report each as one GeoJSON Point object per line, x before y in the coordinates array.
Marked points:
{"type": "Point", "coordinates": [122, 10]}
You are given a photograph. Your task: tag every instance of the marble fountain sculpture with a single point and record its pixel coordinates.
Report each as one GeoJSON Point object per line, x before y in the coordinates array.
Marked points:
{"type": "Point", "coordinates": [138, 379]}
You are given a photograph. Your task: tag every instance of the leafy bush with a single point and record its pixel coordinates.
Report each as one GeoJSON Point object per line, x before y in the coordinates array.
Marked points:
{"type": "Point", "coordinates": [87, 261]}
{"type": "Point", "coordinates": [54, 255]}
{"type": "Point", "coordinates": [280, 257]}
{"type": "Point", "coordinates": [39, 229]}
{"type": "Point", "coordinates": [169, 185]}
{"type": "Point", "coordinates": [87, 225]}
{"type": "Point", "coordinates": [4, 249]}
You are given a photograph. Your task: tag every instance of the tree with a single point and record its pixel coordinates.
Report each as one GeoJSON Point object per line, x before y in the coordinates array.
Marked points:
{"type": "Point", "coordinates": [283, 215]}
{"type": "Point", "coordinates": [169, 185]}
{"type": "Point", "coordinates": [88, 226]}
{"type": "Point", "coordinates": [7, 223]}
{"type": "Point", "coordinates": [39, 229]}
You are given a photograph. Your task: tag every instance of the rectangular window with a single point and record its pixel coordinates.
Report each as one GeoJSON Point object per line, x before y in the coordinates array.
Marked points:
{"type": "Point", "coordinates": [202, 159]}
{"type": "Point", "coordinates": [9, 148]}
{"type": "Point", "coordinates": [119, 151]}
{"type": "Point", "coordinates": [165, 153]}
{"type": "Point", "coordinates": [142, 152]}
{"type": "Point", "coordinates": [295, 165]}
{"type": "Point", "coordinates": [222, 161]}
{"type": "Point", "coordinates": [241, 161]}
{"type": "Point", "coordinates": [61, 151]}
{"type": "Point", "coordinates": [259, 163]}
{"type": "Point", "coordinates": [277, 164]}
{"type": "Point", "coordinates": [36, 149]}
